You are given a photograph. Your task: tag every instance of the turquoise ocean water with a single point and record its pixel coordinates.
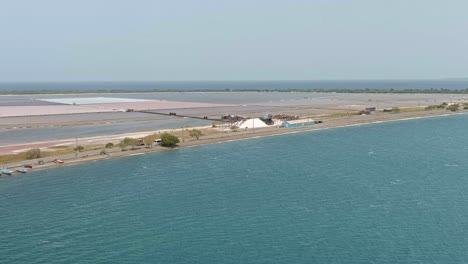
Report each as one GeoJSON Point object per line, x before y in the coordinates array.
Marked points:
{"type": "Point", "coordinates": [383, 193]}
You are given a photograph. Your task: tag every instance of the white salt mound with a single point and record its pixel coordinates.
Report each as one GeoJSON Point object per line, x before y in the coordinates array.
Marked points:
{"type": "Point", "coordinates": [251, 123]}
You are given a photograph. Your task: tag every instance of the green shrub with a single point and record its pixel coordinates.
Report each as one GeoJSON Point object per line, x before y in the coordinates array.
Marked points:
{"type": "Point", "coordinates": [149, 140]}
{"type": "Point", "coordinates": [196, 133]}
{"type": "Point", "coordinates": [169, 140]}
{"type": "Point", "coordinates": [431, 107]}
{"type": "Point", "coordinates": [128, 142]}
{"type": "Point", "coordinates": [453, 108]}
{"type": "Point", "coordinates": [33, 154]}
{"type": "Point", "coordinates": [79, 148]}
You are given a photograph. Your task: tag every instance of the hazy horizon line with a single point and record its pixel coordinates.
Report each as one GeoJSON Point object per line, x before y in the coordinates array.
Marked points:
{"type": "Point", "coordinates": [214, 81]}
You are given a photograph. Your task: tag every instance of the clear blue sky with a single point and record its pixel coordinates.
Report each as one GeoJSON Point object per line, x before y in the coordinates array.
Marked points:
{"type": "Point", "coordinates": [114, 40]}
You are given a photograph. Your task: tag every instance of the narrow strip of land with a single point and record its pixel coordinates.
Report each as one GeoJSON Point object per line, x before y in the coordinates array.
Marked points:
{"type": "Point", "coordinates": [219, 136]}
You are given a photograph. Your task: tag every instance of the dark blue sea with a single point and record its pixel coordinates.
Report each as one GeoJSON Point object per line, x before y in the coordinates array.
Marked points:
{"type": "Point", "coordinates": [450, 84]}
{"type": "Point", "coordinates": [393, 192]}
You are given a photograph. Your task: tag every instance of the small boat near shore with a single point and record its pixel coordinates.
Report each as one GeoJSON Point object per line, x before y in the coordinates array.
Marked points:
{"type": "Point", "coordinates": [6, 172]}
{"type": "Point", "coordinates": [22, 170]}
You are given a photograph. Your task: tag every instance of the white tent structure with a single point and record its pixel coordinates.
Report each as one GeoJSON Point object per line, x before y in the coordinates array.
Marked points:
{"type": "Point", "coordinates": [251, 123]}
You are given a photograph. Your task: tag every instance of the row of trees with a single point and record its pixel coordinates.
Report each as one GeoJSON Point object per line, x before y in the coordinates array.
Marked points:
{"type": "Point", "coordinates": [167, 140]}
{"type": "Point", "coordinates": [449, 107]}
{"type": "Point", "coordinates": [36, 153]}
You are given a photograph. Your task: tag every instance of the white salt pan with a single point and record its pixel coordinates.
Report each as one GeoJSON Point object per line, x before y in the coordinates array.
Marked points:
{"type": "Point", "coordinates": [92, 100]}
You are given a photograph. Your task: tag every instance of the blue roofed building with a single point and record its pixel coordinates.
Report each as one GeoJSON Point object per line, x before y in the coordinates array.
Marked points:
{"type": "Point", "coordinates": [297, 123]}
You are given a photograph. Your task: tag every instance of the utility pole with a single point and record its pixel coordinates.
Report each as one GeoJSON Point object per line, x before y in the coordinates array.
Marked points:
{"type": "Point", "coordinates": [77, 153]}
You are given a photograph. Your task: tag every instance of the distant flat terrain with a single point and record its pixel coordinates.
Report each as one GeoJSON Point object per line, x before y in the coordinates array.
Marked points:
{"type": "Point", "coordinates": [30, 118]}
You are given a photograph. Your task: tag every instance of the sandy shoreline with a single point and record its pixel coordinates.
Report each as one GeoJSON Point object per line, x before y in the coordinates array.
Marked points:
{"type": "Point", "coordinates": [329, 123]}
